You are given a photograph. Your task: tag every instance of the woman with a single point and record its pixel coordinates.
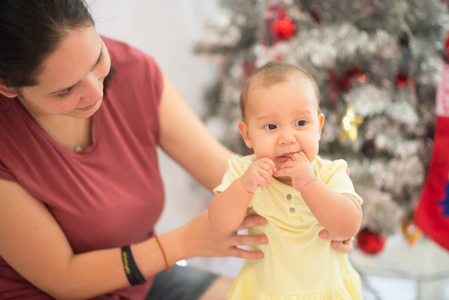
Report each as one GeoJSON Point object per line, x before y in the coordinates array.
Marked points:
{"type": "Point", "coordinates": [81, 117]}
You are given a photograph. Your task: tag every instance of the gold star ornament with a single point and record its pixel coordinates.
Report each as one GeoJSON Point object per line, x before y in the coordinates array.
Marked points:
{"type": "Point", "coordinates": [350, 123]}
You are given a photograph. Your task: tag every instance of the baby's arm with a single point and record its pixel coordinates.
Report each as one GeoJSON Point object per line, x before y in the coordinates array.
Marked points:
{"type": "Point", "coordinates": [340, 214]}
{"type": "Point", "coordinates": [228, 208]}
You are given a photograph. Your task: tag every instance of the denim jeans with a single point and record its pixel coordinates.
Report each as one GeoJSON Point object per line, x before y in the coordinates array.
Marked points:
{"type": "Point", "coordinates": [182, 283]}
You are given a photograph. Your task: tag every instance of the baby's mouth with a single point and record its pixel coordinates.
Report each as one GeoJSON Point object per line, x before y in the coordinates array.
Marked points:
{"type": "Point", "coordinates": [285, 157]}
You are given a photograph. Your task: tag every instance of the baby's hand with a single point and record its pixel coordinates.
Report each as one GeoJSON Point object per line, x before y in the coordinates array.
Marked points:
{"type": "Point", "coordinates": [258, 174]}
{"type": "Point", "coordinates": [299, 169]}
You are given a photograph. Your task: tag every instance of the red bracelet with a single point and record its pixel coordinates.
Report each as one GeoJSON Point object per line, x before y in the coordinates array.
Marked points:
{"type": "Point", "coordinates": [167, 266]}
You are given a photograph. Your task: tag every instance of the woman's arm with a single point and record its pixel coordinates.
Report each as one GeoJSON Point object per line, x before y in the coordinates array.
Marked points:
{"type": "Point", "coordinates": [32, 243]}
{"type": "Point", "coordinates": [186, 140]}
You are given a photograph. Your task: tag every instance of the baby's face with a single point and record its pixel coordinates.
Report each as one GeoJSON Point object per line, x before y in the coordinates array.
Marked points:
{"type": "Point", "coordinates": [281, 120]}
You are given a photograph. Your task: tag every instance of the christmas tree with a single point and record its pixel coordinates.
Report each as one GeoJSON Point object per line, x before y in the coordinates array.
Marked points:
{"type": "Point", "coordinates": [377, 64]}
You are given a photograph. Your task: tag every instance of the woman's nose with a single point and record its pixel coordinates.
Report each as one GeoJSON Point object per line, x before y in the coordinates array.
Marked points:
{"type": "Point", "coordinates": [94, 88]}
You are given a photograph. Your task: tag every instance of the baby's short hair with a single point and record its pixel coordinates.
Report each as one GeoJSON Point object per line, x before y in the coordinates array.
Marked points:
{"type": "Point", "coordinates": [271, 73]}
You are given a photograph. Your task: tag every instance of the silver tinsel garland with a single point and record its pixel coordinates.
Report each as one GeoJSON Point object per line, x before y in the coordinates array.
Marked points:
{"type": "Point", "coordinates": [383, 40]}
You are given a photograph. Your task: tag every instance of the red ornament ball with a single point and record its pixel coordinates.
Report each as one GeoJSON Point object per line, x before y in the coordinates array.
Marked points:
{"type": "Point", "coordinates": [370, 242]}
{"type": "Point", "coordinates": [402, 80]}
{"type": "Point", "coordinates": [283, 28]}
{"type": "Point", "coordinates": [345, 82]}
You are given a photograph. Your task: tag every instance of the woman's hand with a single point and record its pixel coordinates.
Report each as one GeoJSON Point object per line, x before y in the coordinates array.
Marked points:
{"type": "Point", "coordinates": [345, 246]}
{"type": "Point", "coordinates": [200, 239]}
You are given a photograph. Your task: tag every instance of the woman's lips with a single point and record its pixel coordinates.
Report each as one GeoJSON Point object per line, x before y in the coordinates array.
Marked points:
{"type": "Point", "coordinates": [87, 107]}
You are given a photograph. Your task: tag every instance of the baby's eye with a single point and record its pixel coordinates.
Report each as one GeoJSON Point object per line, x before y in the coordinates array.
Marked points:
{"type": "Point", "coordinates": [270, 127]}
{"type": "Point", "coordinates": [301, 123]}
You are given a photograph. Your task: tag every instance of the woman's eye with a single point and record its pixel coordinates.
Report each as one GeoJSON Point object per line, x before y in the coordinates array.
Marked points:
{"type": "Point", "coordinates": [270, 127]}
{"type": "Point", "coordinates": [301, 123]}
{"type": "Point", "coordinates": [66, 93]}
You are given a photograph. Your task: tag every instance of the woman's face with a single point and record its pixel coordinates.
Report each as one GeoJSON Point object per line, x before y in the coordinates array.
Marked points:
{"type": "Point", "coordinates": [71, 79]}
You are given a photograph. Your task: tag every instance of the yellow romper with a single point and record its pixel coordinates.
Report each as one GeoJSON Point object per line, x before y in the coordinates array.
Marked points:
{"type": "Point", "coordinates": [297, 264]}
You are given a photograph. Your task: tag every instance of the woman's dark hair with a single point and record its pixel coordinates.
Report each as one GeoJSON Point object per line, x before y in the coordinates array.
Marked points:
{"type": "Point", "coordinates": [30, 30]}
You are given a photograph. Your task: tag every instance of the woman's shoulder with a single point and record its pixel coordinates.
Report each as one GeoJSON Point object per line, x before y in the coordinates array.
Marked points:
{"type": "Point", "coordinates": [5, 105]}
{"type": "Point", "coordinates": [120, 49]}
{"type": "Point", "coordinates": [8, 113]}
{"type": "Point", "coordinates": [137, 72]}
{"type": "Point", "coordinates": [125, 55]}
{"type": "Point", "coordinates": [15, 138]}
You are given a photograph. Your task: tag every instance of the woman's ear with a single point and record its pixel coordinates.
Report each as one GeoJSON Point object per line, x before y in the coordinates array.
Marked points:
{"type": "Point", "coordinates": [243, 128]}
{"type": "Point", "coordinates": [7, 91]}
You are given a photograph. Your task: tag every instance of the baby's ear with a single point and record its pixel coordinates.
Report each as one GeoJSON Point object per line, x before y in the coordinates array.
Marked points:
{"type": "Point", "coordinates": [243, 128]}
{"type": "Point", "coordinates": [7, 91]}
{"type": "Point", "coordinates": [320, 122]}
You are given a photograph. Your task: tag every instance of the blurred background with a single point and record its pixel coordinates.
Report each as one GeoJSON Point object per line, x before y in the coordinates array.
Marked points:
{"type": "Point", "coordinates": [384, 82]}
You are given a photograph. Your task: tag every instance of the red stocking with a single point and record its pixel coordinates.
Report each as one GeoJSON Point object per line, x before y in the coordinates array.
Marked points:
{"type": "Point", "coordinates": [432, 213]}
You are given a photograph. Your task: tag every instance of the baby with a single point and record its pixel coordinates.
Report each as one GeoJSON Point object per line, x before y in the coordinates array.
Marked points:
{"type": "Point", "coordinates": [298, 192]}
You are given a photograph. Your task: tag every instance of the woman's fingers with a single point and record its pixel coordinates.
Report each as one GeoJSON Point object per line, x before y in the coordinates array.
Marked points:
{"type": "Point", "coordinates": [250, 240]}
{"type": "Point", "coordinates": [252, 221]}
{"type": "Point", "coordinates": [246, 254]}
{"type": "Point", "coordinates": [243, 241]}
{"type": "Point", "coordinates": [344, 246]}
